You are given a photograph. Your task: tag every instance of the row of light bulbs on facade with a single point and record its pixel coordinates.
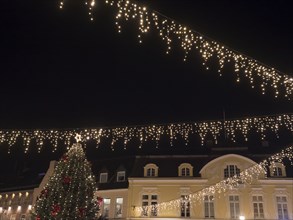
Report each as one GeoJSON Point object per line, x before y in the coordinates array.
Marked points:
{"type": "Point", "coordinates": [13, 196]}
{"type": "Point", "coordinates": [246, 177]}
{"type": "Point", "coordinates": [233, 129]}
{"type": "Point", "coordinates": [171, 31]}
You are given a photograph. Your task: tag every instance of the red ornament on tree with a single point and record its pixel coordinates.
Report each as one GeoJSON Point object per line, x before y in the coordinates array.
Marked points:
{"type": "Point", "coordinates": [38, 218]}
{"type": "Point", "coordinates": [55, 210]}
{"type": "Point", "coordinates": [81, 212]}
{"type": "Point", "coordinates": [64, 158]}
{"type": "Point", "coordinates": [66, 180]}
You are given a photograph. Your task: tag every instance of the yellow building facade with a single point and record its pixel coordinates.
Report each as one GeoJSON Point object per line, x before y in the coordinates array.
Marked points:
{"type": "Point", "coordinates": [268, 197]}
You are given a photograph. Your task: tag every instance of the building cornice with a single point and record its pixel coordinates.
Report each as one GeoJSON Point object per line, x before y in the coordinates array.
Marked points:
{"type": "Point", "coordinates": [112, 190]}
{"type": "Point", "coordinates": [167, 180]}
{"type": "Point", "coordinates": [276, 181]}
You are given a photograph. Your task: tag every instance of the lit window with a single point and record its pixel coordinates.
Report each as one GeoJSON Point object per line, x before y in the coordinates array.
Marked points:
{"type": "Point", "coordinates": [119, 208]}
{"type": "Point", "coordinates": [258, 211]}
{"type": "Point", "coordinates": [149, 205]}
{"type": "Point", "coordinates": [209, 207]}
{"type": "Point", "coordinates": [103, 177]}
{"type": "Point", "coordinates": [120, 176]}
{"type": "Point", "coordinates": [185, 206]}
{"type": "Point", "coordinates": [106, 208]}
{"type": "Point", "coordinates": [234, 207]}
{"type": "Point", "coordinates": [231, 170]}
{"type": "Point", "coordinates": [282, 208]}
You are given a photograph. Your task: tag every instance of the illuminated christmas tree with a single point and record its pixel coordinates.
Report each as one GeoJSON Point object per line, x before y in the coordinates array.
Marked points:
{"type": "Point", "coordinates": [70, 192]}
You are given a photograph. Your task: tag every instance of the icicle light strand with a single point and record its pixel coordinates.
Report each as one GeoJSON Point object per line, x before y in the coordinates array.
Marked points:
{"type": "Point", "coordinates": [246, 177]}
{"type": "Point", "coordinates": [171, 31]}
{"type": "Point", "coordinates": [233, 129]}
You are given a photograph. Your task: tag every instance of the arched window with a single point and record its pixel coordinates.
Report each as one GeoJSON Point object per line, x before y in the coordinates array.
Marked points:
{"type": "Point", "coordinates": [231, 170]}
{"type": "Point", "coordinates": [185, 169]}
{"type": "Point", "coordinates": [277, 170]}
{"type": "Point", "coordinates": [151, 170]}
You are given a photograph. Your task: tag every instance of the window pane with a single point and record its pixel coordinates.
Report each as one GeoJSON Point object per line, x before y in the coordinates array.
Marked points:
{"type": "Point", "coordinates": [103, 177]}
{"type": "Point", "coordinates": [118, 208]}
{"type": "Point", "coordinates": [144, 197]}
{"type": "Point", "coordinates": [106, 209]}
{"type": "Point", "coordinates": [121, 176]}
{"type": "Point", "coordinates": [185, 206]}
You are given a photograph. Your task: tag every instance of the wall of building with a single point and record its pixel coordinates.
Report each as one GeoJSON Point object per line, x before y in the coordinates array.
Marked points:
{"type": "Point", "coordinates": [266, 190]}
{"type": "Point", "coordinates": [16, 205]}
{"type": "Point", "coordinates": [111, 206]}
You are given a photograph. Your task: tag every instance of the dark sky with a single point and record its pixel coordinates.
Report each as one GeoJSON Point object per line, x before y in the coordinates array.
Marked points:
{"type": "Point", "coordinates": [60, 70]}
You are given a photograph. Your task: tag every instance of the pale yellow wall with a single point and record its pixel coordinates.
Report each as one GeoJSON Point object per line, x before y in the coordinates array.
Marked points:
{"type": "Point", "coordinates": [169, 189]}
{"type": "Point", "coordinates": [113, 194]}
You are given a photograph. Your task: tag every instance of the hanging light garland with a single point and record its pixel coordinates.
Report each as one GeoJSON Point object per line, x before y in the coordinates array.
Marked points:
{"type": "Point", "coordinates": [231, 128]}
{"type": "Point", "coordinates": [246, 177]}
{"type": "Point", "coordinates": [169, 31]}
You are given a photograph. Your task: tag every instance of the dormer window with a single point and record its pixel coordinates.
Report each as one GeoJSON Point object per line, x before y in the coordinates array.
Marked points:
{"type": "Point", "coordinates": [103, 177]}
{"type": "Point", "coordinates": [277, 170]}
{"type": "Point", "coordinates": [185, 169]}
{"type": "Point", "coordinates": [120, 176]}
{"type": "Point", "coordinates": [151, 170]}
{"type": "Point", "coordinates": [231, 170]}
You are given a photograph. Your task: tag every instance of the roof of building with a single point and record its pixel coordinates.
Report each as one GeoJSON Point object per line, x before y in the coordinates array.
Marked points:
{"type": "Point", "coordinates": [168, 164]}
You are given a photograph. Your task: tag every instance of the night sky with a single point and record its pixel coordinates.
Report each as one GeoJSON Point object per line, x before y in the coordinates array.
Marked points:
{"type": "Point", "coordinates": [60, 70]}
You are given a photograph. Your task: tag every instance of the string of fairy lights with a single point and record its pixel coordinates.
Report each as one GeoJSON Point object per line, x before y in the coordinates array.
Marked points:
{"type": "Point", "coordinates": [246, 177]}
{"type": "Point", "coordinates": [233, 129]}
{"type": "Point", "coordinates": [171, 31]}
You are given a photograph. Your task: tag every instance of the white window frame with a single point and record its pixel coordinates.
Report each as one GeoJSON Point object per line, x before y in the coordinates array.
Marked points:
{"type": "Point", "coordinates": [234, 206]}
{"type": "Point", "coordinates": [231, 172]}
{"type": "Point", "coordinates": [274, 170]}
{"type": "Point", "coordinates": [149, 203]}
{"type": "Point", "coordinates": [185, 206]}
{"type": "Point", "coordinates": [185, 166]}
{"type": "Point", "coordinates": [284, 206]}
{"type": "Point", "coordinates": [152, 167]}
{"type": "Point", "coordinates": [105, 176]}
{"type": "Point", "coordinates": [209, 207]}
{"type": "Point", "coordinates": [258, 206]}
{"type": "Point", "coordinates": [119, 174]}
{"type": "Point", "coordinates": [119, 215]}
{"type": "Point", "coordinates": [106, 213]}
